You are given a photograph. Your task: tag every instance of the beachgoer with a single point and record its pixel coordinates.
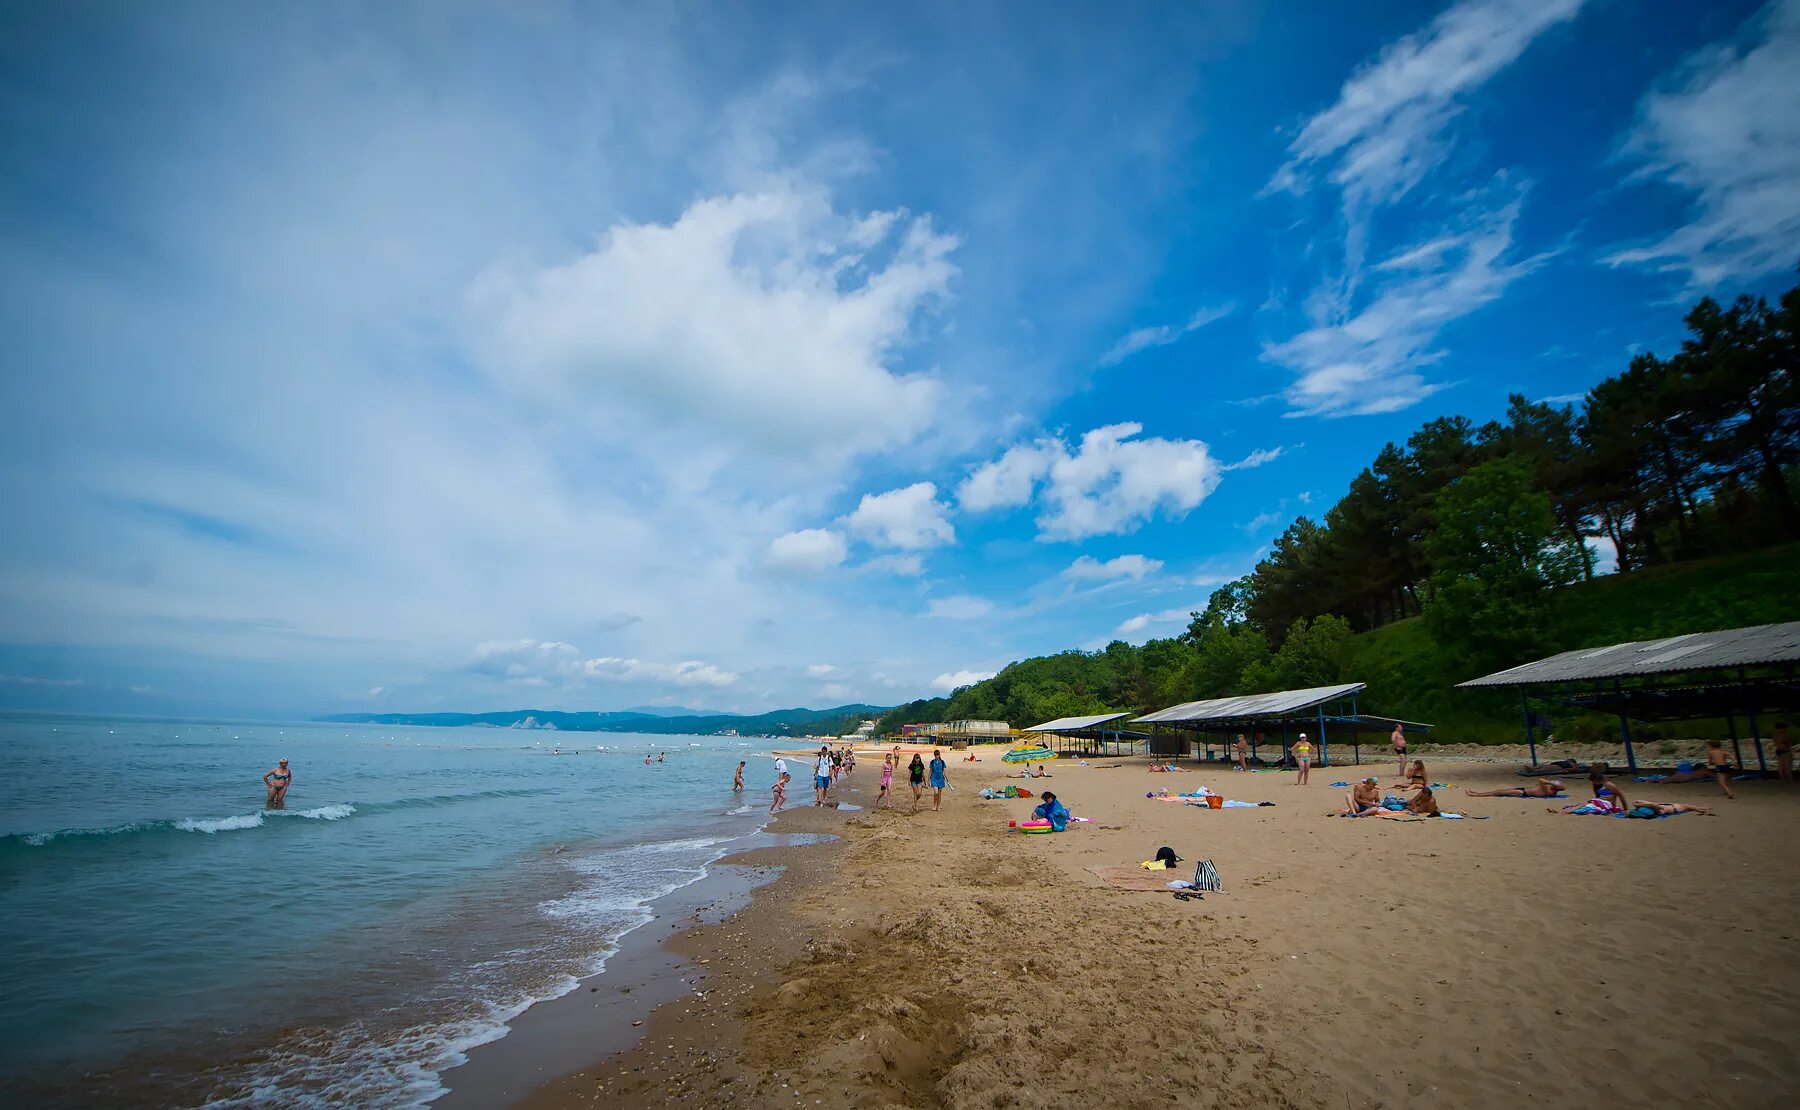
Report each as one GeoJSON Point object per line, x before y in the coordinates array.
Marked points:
{"type": "Point", "coordinates": [662, 757]}
{"type": "Point", "coordinates": [821, 776]}
{"type": "Point", "coordinates": [737, 779]}
{"type": "Point", "coordinates": [1543, 788]}
{"type": "Point", "coordinates": [1415, 775]}
{"type": "Point", "coordinates": [1422, 804]}
{"type": "Point", "coordinates": [780, 767]}
{"type": "Point", "coordinates": [1605, 787]}
{"type": "Point", "coordinates": [1052, 811]}
{"type": "Point", "coordinates": [886, 797]}
{"type": "Point", "coordinates": [1302, 759]}
{"type": "Point", "coordinates": [1723, 766]}
{"type": "Point", "coordinates": [937, 779]}
{"type": "Point", "coordinates": [837, 766]}
{"type": "Point", "coordinates": [646, 759]}
{"type": "Point", "coordinates": [1555, 767]}
{"type": "Point", "coordinates": [1784, 753]}
{"type": "Point", "coordinates": [1399, 739]}
{"type": "Point", "coordinates": [779, 790]}
{"type": "Point", "coordinates": [1670, 809]}
{"type": "Point", "coordinates": [1364, 799]}
{"type": "Point", "coordinates": [1684, 772]}
{"type": "Point", "coordinates": [1241, 757]}
{"type": "Point", "coordinates": [915, 772]}
{"type": "Point", "coordinates": [278, 779]}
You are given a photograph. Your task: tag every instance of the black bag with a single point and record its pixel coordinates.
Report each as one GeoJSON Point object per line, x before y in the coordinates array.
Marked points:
{"type": "Point", "coordinates": [1167, 857]}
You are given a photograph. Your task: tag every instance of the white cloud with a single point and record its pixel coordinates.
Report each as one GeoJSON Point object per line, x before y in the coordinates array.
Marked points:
{"type": "Point", "coordinates": [1161, 335]}
{"type": "Point", "coordinates": [1256, 458]}
{"type": "Point", "coordinates": [807, 549]}
{"type": "Point", "coordinates": [1131, 625]}
{"type": "Point", "coordinates": [761, 318]}
{"type": "Point", "coordinates": [960, 607]}
{"type": "Point", "coordinates": [909, 518]}
{"type": "Point", "coordinates": [1387, 128]}
{"type": "Point", "coordinates": [1111, 483]}
{"type": "Point", "coordinates": [820, 670]}
{"type": "Point", "coordinates": [688, 672]}
{"type": "Point", "coordinates": [1262, 520]}
{"type": "Point", "coordinates": [1133, 567]}
{"type": "Point", "coordinates": [901, 566]}
{"type": "Point", "coordinates": [1010, 480]}
{"type": "Point", "coordinates": [376, 691]}
{"type": "Point", "coordinates": [1373, 359]}
{"type": "Point", "coordinates": [1726, 129]}
{"type": "Point", "coordinates": [955, 680]}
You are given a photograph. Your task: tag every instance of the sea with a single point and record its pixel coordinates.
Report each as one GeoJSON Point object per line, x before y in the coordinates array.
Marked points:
{"type": "Point", "coordinates": [166, 941]}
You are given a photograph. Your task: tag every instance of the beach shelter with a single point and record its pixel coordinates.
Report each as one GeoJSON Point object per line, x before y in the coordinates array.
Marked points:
{"type": "Point", "coordinates": [1327, 710]}
{"type": "Point", "coordinates": [1694, 676]}
{"type": "Point", "coordinates": [1100, 729]}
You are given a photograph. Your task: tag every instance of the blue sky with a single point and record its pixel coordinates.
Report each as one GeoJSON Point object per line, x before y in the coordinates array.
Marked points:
{"type": "Point", "coordinates": [451, 356]}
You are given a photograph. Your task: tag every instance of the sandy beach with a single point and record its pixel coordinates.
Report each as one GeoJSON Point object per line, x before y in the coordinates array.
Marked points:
{"type": "Point", "coordinates": [939, 959]}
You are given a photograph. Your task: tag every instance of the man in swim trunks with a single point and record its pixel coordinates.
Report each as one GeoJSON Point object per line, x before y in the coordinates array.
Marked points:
{"type": "Point", "coordinates": [278, 780]}
{"type": "Point", "coordinates": [938, 767]}
{"type": "Point", "coordinates": [1240, 756]}
{"type": "Point", "coordinates": [737, 780]}
{"type": "Point", "coordinates": [821, 776]}
{"type": "Point", "coordinates": [1364, 799]}
{"type": "Point", "coordinates": [1542, 788]}
{"type": "Point", "coordinates": [1399, 739]}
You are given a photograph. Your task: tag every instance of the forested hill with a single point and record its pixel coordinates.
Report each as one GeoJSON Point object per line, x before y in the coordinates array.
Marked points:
{"type": "Point", "coordinates": [1410, 674]}
{"type": "Point", "coordinates": [1470, 548]}
{"type": "Point", "coordinates": [799, 722]}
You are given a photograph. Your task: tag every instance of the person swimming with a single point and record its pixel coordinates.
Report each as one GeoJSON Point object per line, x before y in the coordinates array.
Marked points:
{"type": "Point", "coordinates": [278, 780]}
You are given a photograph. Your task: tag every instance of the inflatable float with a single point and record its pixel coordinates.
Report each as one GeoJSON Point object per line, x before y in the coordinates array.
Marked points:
{"type": "Point", "coordinates": [1030, 826]}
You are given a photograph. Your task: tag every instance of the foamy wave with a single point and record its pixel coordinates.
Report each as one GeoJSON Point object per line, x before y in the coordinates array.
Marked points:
{"type": "Point", "coordinates": [210, 825]}
{"type": "Point", "coordinates": [207, 825]}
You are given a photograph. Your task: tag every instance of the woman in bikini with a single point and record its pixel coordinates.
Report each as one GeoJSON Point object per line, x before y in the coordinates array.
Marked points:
{"type": "Point", "coordinates": [278, 781]}
{"type": "Point", "coordinates": [1415, 775]}
{"type": "Point", "coordinates": [1543, 788]}
{"type": "Point", "coordinates": [1719, 760]}
{"type": "Point", "coordinates": [886, 797]}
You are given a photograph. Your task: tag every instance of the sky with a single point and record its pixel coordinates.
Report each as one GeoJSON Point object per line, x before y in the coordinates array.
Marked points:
{"type": "Point", "coordinates": [450, 356]}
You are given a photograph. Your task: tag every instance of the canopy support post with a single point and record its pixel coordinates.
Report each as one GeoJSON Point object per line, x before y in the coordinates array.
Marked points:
{"type": "Point", "coordinates": [1530, 739]}
{"type": "Point", "coordinates": [1324, 748]}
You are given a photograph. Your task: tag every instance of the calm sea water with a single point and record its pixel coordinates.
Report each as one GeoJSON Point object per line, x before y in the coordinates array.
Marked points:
{"type": "Point", "coordinates": [165, 940]}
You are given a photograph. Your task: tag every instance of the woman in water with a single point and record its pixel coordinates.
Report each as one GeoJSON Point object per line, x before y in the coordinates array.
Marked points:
{"type": "Point", "coordinates": [278, 781]}
{"type": "Point", "coordinates": [915, 771]}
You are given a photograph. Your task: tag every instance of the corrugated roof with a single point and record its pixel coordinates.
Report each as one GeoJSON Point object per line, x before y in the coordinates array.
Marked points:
{"type": "Point", "coordinates": [1693, 651]}
{"type": "Point", "coordinates": [1064, 724]}
{"type": "Point", "coordinates": [1249, 706]}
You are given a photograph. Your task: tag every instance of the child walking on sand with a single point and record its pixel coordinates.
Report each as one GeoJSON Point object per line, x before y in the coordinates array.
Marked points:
{"type": "Point", "coordinates": [1722, 767]}
{"type": "Point", "coordinates": [780, 792]}
{"type": "Point", "coordinates": [886, 797]}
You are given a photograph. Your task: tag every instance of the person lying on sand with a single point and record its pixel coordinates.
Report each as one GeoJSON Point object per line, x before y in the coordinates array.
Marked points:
{"type": "Point", "coordinates": [1041, 773]}
{"type": "Point", "coordinates": [1554, 767]}
{"type": "Point", "coordinates": [1166, 768]}
{"type": "Point", "coordinates": [1542, 788]}
{"type": "Point", "coordinates": [1683, 772]}
{"type": "Point", "coordinates": [1423, 804]}
{"type": "Point", "coordinates": [1670, 809]}
{"type": "Point", "coordinates": [1363, 800]}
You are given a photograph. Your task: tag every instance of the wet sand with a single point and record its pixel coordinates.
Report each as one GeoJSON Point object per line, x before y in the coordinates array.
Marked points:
{"type": "Point", "coordinates": [941, 960]}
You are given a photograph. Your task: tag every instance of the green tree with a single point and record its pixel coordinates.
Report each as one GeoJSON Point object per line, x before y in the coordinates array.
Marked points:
{"type": "Point", "coordinates": [1496, 555]}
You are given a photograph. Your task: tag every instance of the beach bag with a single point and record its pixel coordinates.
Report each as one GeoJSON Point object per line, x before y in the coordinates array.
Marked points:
{"type": "Point", "coordinates": [1167, 857]}
{"type": "Point", "coordinates": [1206, 876]}
{"type": "Point", "coordinates": [1644, 812]}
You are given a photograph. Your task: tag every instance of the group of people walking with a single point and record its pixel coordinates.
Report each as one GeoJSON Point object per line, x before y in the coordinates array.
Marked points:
{"type": "Point", "coordinates": [830, 767]}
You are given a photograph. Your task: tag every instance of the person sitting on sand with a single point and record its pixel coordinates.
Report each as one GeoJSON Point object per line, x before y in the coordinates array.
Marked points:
{"type": "Point", "coordinates": [1052, 811]}
{"type": "Point", "coordinates": [1423, 804]}
{"type": "Point", "coordinates": [779, 790]}
{"type": "Point", "coordinates": [1415, 775]}
{"type": "Point", "coordinates": [278, 780]}
{"type": "Point", "coordinates": [1041, 773]}
{"type": "Point", "coordinates": [1364, 799]}
{"type": "Point", "coordinates": [1722, 765]}
{"type": "Point", "coordinates": [1542, 788]}
{"type": "Point", "coordinates": [1605, 787]}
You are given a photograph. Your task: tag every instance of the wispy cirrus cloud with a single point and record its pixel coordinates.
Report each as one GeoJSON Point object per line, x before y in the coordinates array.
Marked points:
{"type": "Point", "coordinates": [1161, 335]}
{"type": "Point", "coordinates": [1725, 129]}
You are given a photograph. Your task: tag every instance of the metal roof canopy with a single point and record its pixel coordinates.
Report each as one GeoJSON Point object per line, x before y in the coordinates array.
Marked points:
{"type": "Point", "coordinates": [1248, 707]}
{"type": "Point", "coordinates": [1757, 645]}
{"type": "Point", "coordinates": [1070, 724]}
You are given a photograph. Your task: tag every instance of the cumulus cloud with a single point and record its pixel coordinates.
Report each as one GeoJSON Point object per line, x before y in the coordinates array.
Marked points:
{"type": "Point", "coordinates": [1725, 128]}
{"type": "Point", "coordinates": [761, 317]}
{"type": "Point", "coordinates": [1110, 483]}
{"type": "Point", "coordinates": [960, 607]}
{"type": "Point", "coordinates": [1132, 567]}
{"type": "Point", "coordinates": [688, 672]}
{"type": "Point", "coordinates": [909, 518]}
{"type": "Point", "coordinates": [1161, 335]}
{"type": "Point", "coordinates": [1388, 126]}
{"type": "Point", "coordinates": [1373, 359]}
{"type": "Point", "coordinates": [807, 549]}
{"type": "Point", "coordinates": [955, 680]}
{"type": "Point", "coordinates": [1131, 625]}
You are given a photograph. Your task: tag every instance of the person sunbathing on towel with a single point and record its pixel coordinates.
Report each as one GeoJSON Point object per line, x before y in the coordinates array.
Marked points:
{"type": "Point", "coordinates": [1423, 804]}
{"type": "Point", "coordinates": [1364, 799]}
{"type": "Point", "coordinates": [1542, 788]}
{"type": "Point", "coordinates": [1670, 809]}
{"type": "Point", "coordinates": [1554, 767]}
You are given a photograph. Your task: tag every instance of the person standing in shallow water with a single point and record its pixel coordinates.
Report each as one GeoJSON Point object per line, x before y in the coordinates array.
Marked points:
{"type": "Point", "coordinates": [737, 780]}
{"type": "Point", "coordinates": [278, 780]}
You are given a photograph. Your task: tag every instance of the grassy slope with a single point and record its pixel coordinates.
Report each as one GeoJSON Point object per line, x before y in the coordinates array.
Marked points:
{"type": "Point", "coordinates": [1409, 677]}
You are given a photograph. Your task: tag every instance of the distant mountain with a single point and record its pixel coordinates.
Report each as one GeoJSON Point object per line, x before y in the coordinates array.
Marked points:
{"type": "Point", "coordinates": [800, 722]}
{"type": "Point", "coordinates": [673, 711]}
